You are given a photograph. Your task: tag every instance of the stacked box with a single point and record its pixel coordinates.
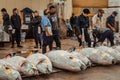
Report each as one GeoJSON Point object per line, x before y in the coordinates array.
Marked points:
{"type": "Point", "coordinates": [113, 3]}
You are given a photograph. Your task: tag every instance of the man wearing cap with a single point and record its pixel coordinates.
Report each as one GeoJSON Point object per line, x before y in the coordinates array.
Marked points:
{"type": "Point", "coordinates": [109, 34]}
{"type": "Point", "coordinates": [36, 22]}
{"type": "Point", "coordinates": [97, 19]}
{"type": "Point", "coordinates": [110, 23]}
{"type": "Point", "coordinates": [97, 22]}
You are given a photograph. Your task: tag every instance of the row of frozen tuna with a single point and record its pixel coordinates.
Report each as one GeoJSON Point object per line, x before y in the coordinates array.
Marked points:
{"type": "Point", "coordinates": [13, 67]}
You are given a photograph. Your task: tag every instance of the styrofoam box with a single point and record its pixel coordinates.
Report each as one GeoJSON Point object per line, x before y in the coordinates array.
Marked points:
{"type": "Point", "coordinates": [113, 3]}
{"type": "Point", "coordinates": [24, 27]}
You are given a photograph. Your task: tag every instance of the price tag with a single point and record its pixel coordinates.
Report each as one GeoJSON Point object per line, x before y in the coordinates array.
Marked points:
{"type": "Point", "coordinates": [95, 51]}
{"type": "Point", "coordinates": [103, 54]}
{"type": "Point", "coordinates": [8, 71]}
{"type": "Point", "coordinates": [47, 62]}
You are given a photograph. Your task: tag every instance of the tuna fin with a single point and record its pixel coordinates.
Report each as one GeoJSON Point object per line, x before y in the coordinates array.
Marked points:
{"type": "Point", "coordinates": [41, 60]}
{"type": "Point", "coordinates": [10, 55]}
{"type": "Point", "coordinates": [32, 52]}
{"type": "Point", "coordinates": [71, 49]}
{"type": "Point", "coordinates": [78, 50]}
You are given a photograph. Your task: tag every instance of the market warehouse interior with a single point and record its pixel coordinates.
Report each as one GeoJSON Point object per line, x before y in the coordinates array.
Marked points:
{"type": "Point", "coordinates": [59, 39]}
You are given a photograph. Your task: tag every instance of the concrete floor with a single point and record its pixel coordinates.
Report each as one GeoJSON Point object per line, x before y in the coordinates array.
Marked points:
{"type": "Point", "coordinates": [94, 73]}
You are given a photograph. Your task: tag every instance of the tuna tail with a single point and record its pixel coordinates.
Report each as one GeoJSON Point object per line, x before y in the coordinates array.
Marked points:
{"type": "Point", "coordinates": [71, 49]}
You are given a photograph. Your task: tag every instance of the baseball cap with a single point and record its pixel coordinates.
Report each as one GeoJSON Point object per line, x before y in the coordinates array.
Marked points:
{"type": "Point", "coordinates": [115, 13]}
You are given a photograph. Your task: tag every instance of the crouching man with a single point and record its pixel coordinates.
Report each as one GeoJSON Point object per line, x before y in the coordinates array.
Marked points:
{"type": "Point", "coordinates": [109, 34]}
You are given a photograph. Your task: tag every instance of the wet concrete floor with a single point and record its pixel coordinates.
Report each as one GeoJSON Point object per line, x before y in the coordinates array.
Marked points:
{"type": "Point", "coordinates": [94, 73]}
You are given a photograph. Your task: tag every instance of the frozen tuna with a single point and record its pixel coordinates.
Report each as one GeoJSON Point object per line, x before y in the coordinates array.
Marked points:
{"type": "Point", "coordinates": [63, 60]}
{"type": "Point", "coordinates": [114, 53]}
{"type": "Point", "coordinates": [83, 58]}
{"type": "Point", "coordinates": [117, 48]}
{"type": "Point", "coordinates": [98, 57]}
{"type": "Point", "coordinates": [22, 65]}
{"type": "Point", "coordinates": [7, 72]}
{"type": "Point", "coordinates": [42, 62]}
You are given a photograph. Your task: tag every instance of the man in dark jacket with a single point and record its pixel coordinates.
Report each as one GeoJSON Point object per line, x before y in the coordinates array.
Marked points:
{"type": "Point", "coordinates": [55, 26]}
{"type": "Point", "coordinates": [36, 22]}
{"type": "Point", "coordinates": [6, 19]}
{"type": "Point", "coordinates": [16, 25]}
{"type": "Point", "coordinates": [73, 23]}
{"type": "Point", "coordinates": [82, 26]}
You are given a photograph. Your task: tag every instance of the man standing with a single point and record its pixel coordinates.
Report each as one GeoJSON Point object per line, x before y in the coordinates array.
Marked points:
{"type": "Point", "coordinates": [16, 25]}
{"type": "Point", "coordinates": [73, 22]}
{"type": "Point", "coordinates": [97, 19]}
{"type": "Point", "coordinates": [55, 26]}
{"type": "Point", "coordinates": [6, 19]}
{"type": "Point", "coordinates": [36, 22]}
{"type": "Point", "coordinates": [69, 28]}
{"type": "Point", "coordinates": [47, 31]}
{"type": "Point", "coordinates": [97, 23]}
{"type": "Point", "coordinates": [82, 26]}
{"type": "Point", "coordinates": [111, 24]}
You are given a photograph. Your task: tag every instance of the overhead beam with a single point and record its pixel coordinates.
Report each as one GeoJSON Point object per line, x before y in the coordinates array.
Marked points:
{"type": "Point", "coordinates": [90, 3]}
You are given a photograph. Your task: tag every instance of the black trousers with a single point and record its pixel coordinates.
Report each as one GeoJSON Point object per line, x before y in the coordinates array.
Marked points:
{"type": "Point", "coordinates": [37, 37]}
{"type": "Point", "coordinates": [109, 35]}
{"type": "Point", "coordinates": [47, 41]}
{"type": "Point", "coordinates": [69, 32]}
{"type": "Point", "coordinates": [16, 37]}
{"type": "Point", "coordinates": [96, 35]}
{"type": "Point", "coordinates": [56, 38]}
{"type": "Point", "coordinates": [86, 36]}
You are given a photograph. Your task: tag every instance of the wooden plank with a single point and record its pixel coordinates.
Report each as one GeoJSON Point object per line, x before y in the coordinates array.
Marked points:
{"type": "Point", "coordinates": [90, 3]}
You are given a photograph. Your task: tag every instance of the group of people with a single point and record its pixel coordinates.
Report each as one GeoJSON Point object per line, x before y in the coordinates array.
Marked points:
{"type": "Point", "coordinates": [15, 22]}
{"type": "Point", "coordinates": [46, 26]}
{"type": "Point", "coordinates": [99, 32]}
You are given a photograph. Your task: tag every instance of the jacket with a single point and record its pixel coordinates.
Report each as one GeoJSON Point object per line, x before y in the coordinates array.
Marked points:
{"type": "Point", "coordinates": [97, 21]}
{"type": "Point", "coordinates": [82, 21]}
{"type": "Point", "coordinates": [16, 22]}
{"type": "Point", "coordinates": [6, 20]}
